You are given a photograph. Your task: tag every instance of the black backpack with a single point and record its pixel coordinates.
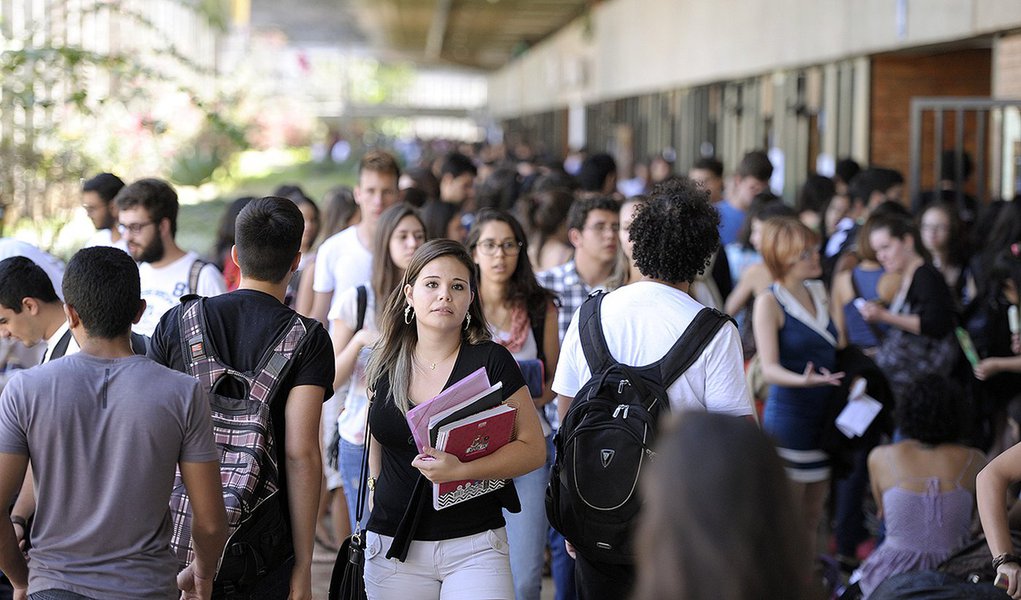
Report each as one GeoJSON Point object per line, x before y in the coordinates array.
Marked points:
{"type": "Point", "coordinates": [609, 433]}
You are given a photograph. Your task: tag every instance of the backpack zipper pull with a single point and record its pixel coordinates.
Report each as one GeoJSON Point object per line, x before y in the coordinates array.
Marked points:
{"type": "Point", "coordinates": [620, 386]}
{"type": "Point", "coordinates": [617, 411]}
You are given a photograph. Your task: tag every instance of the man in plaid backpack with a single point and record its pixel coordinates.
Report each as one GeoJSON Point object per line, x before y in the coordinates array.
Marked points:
{"type": "Point", "coordinates": [268, 370]}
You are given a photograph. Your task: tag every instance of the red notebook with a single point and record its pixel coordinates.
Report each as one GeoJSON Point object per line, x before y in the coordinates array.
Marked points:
{"type": "Point", "coordinates": [468, 439]}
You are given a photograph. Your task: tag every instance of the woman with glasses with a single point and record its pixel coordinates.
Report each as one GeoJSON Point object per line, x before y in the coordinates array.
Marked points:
{"type": "Point", "coordinates": [523, 319]}
{"type": "Point", "coordinates": [797, 343]}
{"type": "Point", "coordinates": [942, 235]}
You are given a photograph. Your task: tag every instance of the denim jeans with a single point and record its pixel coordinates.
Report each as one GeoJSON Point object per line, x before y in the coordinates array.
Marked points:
{"type": "Point", "coordinates": [526, 532]}
{"type": "Point", "coordinates": [350, 470]}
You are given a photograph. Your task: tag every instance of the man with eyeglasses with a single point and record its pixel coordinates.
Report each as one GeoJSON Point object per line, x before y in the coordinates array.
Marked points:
{"type": "Point", "coordinates": [593, 225]}
{"type": "Point", "coordinates": [148, 221]}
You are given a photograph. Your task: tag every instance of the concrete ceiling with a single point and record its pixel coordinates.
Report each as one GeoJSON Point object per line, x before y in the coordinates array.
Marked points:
{"type": "Point", "coordinates": [483, 34]}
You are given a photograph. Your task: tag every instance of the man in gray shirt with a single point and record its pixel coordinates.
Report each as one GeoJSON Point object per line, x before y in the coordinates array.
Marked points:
{"type": "Point", "coordinates": [104, 430]}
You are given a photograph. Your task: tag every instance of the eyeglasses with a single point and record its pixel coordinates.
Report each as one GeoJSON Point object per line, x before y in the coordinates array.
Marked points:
{"type": "Point", "coordinates": [133, 228]}
{"type": "Point", "coordinates": [604, 227]}
{"type": "Point", "coordinates": [489, 248]}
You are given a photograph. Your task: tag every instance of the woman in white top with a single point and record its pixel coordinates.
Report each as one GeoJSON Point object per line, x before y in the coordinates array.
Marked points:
{"type": "Point", "coordinates": [523, 319]}
{"type": "Point", "coordinates": [400, 232]}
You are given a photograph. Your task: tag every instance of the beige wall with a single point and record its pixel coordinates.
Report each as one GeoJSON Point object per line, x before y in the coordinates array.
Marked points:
{"type": "Point", "coordinates": [629, 47]}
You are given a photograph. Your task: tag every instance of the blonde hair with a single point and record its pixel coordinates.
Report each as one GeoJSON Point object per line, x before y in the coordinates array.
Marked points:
{"type": "Point", "coordinates": [784, 239]}
{"type": "Point", "coordinates": [392, 355]}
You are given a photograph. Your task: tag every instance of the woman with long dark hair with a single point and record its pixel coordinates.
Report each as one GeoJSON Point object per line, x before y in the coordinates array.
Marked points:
{"type": "Point", "coordinates": [433, 333]}
{"type": "Point", "coordinates": [523, 319]}
{"type": "Point", "coordinates": [399, 233]}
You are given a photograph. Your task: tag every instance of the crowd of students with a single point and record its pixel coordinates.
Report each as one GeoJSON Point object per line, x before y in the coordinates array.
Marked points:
{"type": "Point", "coordinates": [413, 279]}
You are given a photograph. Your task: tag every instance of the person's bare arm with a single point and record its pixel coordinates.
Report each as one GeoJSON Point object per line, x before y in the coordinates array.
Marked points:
{"type": "Point", "coordinates": [767, 319]}
{"type": "Point", "coordinates": [873, 312]}
{"type": "Point", "coordinates": [551, 348]}
{"type": "Point", "coordinates": [305, 296]}
{"type": "Point", "coordinates": [208, 527]}
{"type": "Point", "coordinates": [304, 473]}
{"type": "Point", "coordinates": [321, 307]}
{"type": "Point", "coordinates": [525, 453]}
{"type": "Point", "coordinates": [840, 295]}
{"type": "Point", "coordinates": [991, 493]}
{"type": "Point", "coordinates": [12, 561]}
{"type": "Point", "coordinates": [24, 506]}
{"type": "Point", "coordinates": [563, 405]}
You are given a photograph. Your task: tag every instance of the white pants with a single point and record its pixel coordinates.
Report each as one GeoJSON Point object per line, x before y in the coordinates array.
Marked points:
{"type": "Point", "coordinates": [474, 567]}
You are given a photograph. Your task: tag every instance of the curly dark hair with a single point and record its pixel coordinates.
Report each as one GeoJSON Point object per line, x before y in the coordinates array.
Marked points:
{"type": "Point", "coordinates": [675, 233]}
{"type": "Point", "coordinates": [932, 410]}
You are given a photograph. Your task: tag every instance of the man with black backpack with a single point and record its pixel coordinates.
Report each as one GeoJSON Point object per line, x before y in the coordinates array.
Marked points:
{"type": "Point", "coordinates": [269, 371]}
{"type": "Point", "coordinates": [630, 357]}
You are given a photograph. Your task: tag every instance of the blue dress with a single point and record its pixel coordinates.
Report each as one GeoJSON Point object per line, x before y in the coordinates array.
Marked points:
{"type": "Point", "coordinates": [795, 417]}
{"type": "Point", "coordinates": [858, 331]}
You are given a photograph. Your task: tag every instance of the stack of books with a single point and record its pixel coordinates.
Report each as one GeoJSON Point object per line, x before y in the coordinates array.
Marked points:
{"type": "Point", "coordinates": [470, 421]}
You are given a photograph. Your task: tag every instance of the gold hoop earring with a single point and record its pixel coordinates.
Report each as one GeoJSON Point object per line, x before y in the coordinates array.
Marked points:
{"type": "Point", "coordinates": [409, 314]}
{"type": "Point", "coordinates": [467, 321]}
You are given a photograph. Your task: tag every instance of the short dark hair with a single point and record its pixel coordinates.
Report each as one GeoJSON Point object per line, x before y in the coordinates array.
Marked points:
{"type": "Point", "coordinates": [102, 284]}
{"type": "Point", "coordinates": [755, 164]}
{"type": "Point", "coordinates": [21, 278]}
{"type": "Point", "coordinates": [675, 233]}
{"type": "Point", "coordinates": [105, 185]}
{"type": "Point", "coordinates": [268, 237]}
{"type": "Point", "coordinates": [578, 213]}
{"type": "Point", "coordinates": [709, 164]}
{"type": "Point", "coordinates": [155, 196]}
{"type": "Point", "coordinates": [500, 190]}
{"type": "Point", "coordinates": [456, 164]}
{"type": "Point", "coordinates": [594, 171]}
{"type": "Point", "coordinates": [846, 169]}
{"type": "Point", "coordinates": [816, 193]}
{"type": "Point", "coordinates": [872, 179]}
{"type": "Point", "coordinates": [931, 410]}
{"type": "Point", "coordinates": [948, 166]}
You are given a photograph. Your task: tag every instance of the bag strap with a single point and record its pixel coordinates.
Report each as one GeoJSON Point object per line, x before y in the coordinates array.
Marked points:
{"type": "Point", "coordinates": [590, 331]}
{"type": "Point", "coordinates": [60, 348]}
{"type": "Point", "coordinates": [193, 275]}
{"type": "Point", "coordinates": [689, 346]}
{"type": "Point", "coordinates": [363, 301]}
{"type": "Point", "coordinates": [202, 362]}
{"type": "Point", "coordinates": [363, 477]}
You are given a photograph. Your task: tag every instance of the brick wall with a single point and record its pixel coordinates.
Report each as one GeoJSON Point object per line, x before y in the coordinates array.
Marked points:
{"type": "Point", "coordinates": [897, 78]}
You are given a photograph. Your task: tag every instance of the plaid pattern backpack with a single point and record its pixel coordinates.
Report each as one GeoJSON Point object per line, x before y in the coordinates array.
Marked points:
{"type": "Point", "coordinates": [259, 533]}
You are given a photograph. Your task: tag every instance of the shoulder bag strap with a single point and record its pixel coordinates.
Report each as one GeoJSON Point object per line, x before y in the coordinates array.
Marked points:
{"type": "Point", "coordinates": [193, 275]}
{"type": "Point", "coordinates": [363, 301]}
{"type": "Point", "coordinates": [363, 477]}
{"type": "Point", "coordinates": [690, 345]}
{"type": "Point", "coordinates": [60, 348]}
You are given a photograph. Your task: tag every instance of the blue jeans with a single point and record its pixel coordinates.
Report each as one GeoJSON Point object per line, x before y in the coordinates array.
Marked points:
{"type": "Point", "coordinates": [350, 463]}
{"type": "Point", "coordinates": [526, 533]}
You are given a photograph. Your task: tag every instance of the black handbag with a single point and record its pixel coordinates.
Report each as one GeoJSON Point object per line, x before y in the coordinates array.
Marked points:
{"type": "Point", "coordinates": [348, 579]}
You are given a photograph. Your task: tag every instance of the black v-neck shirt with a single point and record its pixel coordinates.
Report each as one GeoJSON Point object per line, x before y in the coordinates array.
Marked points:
{"type": "Point", "coordinates": [396, 480]}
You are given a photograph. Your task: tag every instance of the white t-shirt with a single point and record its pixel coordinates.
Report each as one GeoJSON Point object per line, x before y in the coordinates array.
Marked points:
{"type": "Point", "coordinates": [104, 237]}
{"type": "Point", "coordinates": [351, 421]}
{"type": "Point", "coordinates": [342, 262]}
{"type": "Point", "coordinates": [162, 288]}
{"type": "Point", "coordinates": [641, 322]}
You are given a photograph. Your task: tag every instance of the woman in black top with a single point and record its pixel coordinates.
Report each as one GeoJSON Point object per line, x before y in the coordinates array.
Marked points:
{"type": "Point", "coordinates": [433, 333]}
{"type": "Point", "coordinates": [921, 314]}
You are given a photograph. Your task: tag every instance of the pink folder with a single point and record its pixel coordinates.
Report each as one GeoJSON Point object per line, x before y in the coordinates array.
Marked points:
{"type": "Point", "coordinates": [418, 417]}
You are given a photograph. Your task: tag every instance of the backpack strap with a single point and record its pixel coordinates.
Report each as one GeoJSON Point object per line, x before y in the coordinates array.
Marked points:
{"type": "Point", "coordinates": [198, 355]}
{"type": "Point", "coordinates": [276, 363]}
{"type": "Point", "coordinates": [193, 275]}
{"type": "Point", "coordinates": [363, 301]}
{"type": "Point", "coordinates": [60, 348]}
{"type": "Point", "coordinates": [538, 324]}
{"type": "Point", "coordinates": [690, 345]}
{"type": "Point", "coordinates": [590, 330]}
